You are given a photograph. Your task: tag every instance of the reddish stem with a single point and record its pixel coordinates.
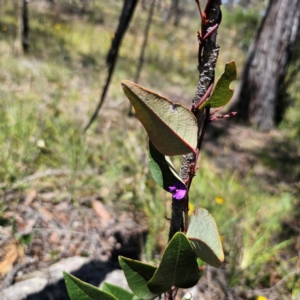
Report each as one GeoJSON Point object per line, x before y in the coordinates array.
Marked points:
{"type": "Point", "coordinates": [203, 99]}
{"type": "Point", "coordinates": [229, 115]}
{"type": "Point", "coordinates": [212, 29]}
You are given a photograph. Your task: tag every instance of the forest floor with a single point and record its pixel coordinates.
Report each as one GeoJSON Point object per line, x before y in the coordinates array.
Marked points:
{"type": "Point", "coordinates": [65, 194]}
{"type": "Point", "coordinates": [57, 230]}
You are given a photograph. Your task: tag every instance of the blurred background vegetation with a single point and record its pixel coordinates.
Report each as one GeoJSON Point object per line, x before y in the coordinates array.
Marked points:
{"type": "Point", "coordinates": [48, 94]}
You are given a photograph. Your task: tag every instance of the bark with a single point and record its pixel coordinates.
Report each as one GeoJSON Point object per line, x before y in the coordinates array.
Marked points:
{"type": "Point", "coordinates": [267, 63]}
{"type": "Point", "coordinates": [24, 26]}
{"type": "Point", "coordinates": [284, 98]}
{"type": "Point", "coordinates": [126, 15]}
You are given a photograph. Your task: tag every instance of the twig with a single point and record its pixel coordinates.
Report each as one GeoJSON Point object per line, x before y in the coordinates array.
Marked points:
{"type": "Point", "coordinates": [146, 35]}
{"type": "Point", "coordinates": [143, 49]}
{"type": "Point", "coordinates": [9, 278]}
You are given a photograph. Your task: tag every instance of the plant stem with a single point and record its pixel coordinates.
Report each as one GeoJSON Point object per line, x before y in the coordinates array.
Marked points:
{"type": "Point", "coordinates": [207, 55]}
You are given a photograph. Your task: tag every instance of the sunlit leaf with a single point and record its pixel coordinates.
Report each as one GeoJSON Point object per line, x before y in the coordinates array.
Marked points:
{"type": "Point", "coordinates": [162, 169]}
{"type": "Point", "coordinates": [172, 128]}
{"type": "Point", "coordinates": [204, 236]}
{"type": "Point", "coordinates": [116, 291]}
{"type": "Point", "coordinates": [78, 289]}
{"type": "Point", "coordinates": [137, 275]}
{"type": "Point", "coordinates": [178, 266]}
{"type": "Point", "coordinates": [222, 94]}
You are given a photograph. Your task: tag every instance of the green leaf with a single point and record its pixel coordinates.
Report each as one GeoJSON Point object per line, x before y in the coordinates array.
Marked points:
{"type": "Point", "coordinates": [162, 169]}
{"type": "Point", "coordinates": [137, 275]}
{"type": "Point", "coordinates": [222, 94]}
{"type": "Point", "coordinates": [117, 291]}
{"type": "Point", "coordinates": [203, 235]}
{"type": "Point", "coordinates": [172, 128]}
{"type": "Point", "coordinates": [178, 266]}
{"type": "Point", "coordinates": [79, 290]}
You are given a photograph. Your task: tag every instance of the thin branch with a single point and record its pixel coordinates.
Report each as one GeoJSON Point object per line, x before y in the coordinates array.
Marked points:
{"type": "Point", "coordinates": [9, 278]}
{"type": "Point", "coordinates": [146, 35]}
{"type": "Point", "coordinates": [111, 60]}
{"type": "Point", "coordinates": [143, 49]}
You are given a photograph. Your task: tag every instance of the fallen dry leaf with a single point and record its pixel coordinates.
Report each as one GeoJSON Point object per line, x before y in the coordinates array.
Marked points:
{"type": "Point", "coordinates": [11, 253]}
{"type": "Point", "coordinates": [101, 211]}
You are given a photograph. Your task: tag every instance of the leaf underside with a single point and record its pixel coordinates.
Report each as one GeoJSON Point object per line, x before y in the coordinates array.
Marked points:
{"type": "Point", "coordinates": [204, 236]}
{"type": "Point", "coordinates": [172, 128]}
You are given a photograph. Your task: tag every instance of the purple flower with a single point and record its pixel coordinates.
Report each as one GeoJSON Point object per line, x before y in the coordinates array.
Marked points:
{"type": "Point", "coordinates": [178, 190]}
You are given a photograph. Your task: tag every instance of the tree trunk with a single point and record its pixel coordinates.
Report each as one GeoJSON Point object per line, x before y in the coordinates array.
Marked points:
{"type": "Point", "coordinates": [267, 63]}
{"type": "Point", "coordinates": [24, 26]}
